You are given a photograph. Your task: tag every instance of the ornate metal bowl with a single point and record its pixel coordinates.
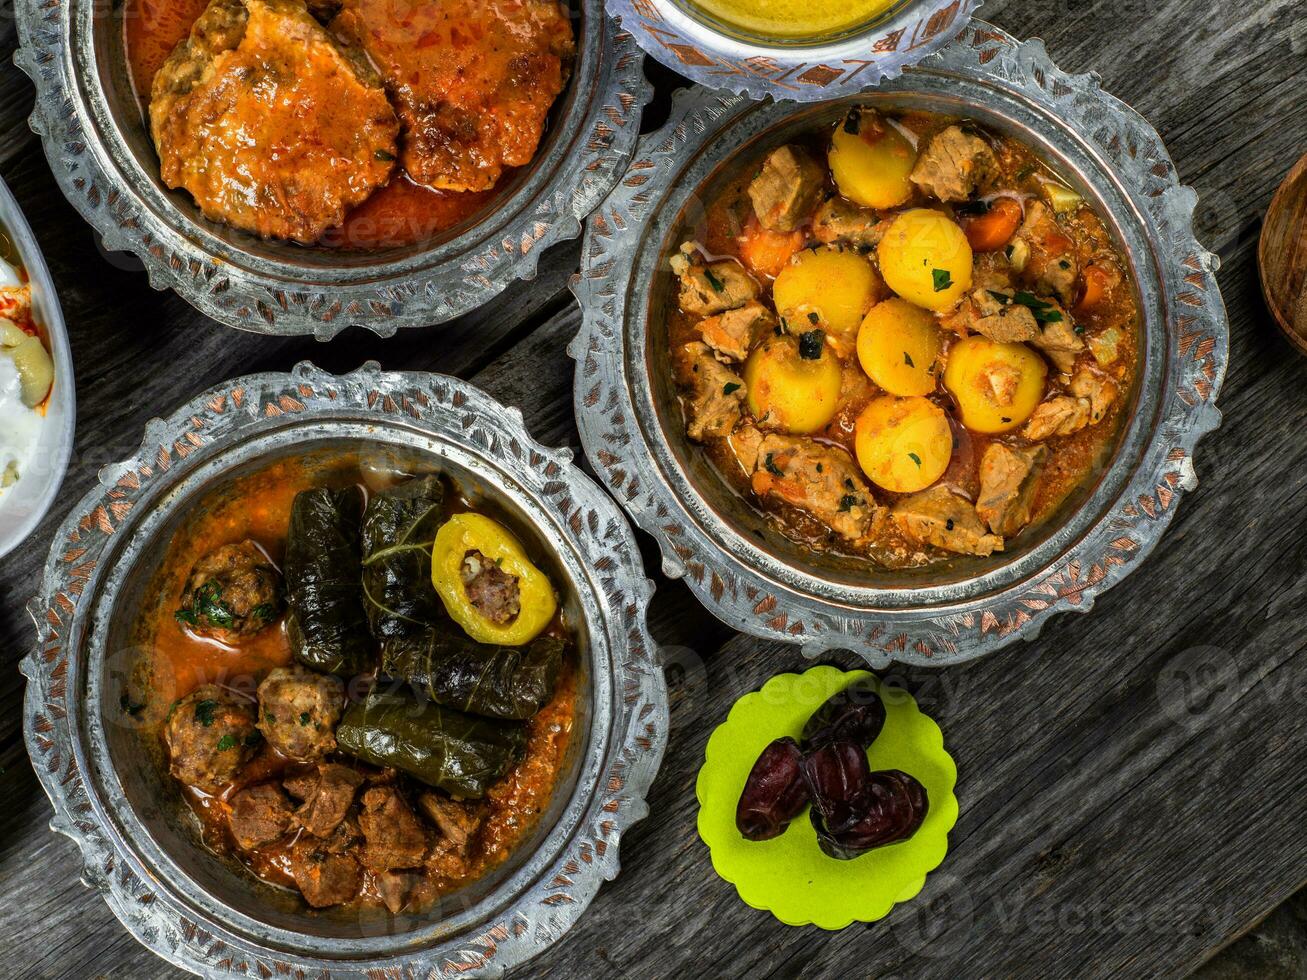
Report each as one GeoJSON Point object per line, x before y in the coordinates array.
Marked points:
{"type": "Point", "coordinates": [737, 564]}
{"type": "Point", "coordinates": [101, 153]}
{"type": "Point", "coordinates": [691, 41]}
{"type": "Point", "coordinates": [140, 845]}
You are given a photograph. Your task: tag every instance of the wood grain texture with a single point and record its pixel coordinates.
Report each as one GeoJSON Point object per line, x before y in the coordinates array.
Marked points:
{"type": "Point", "coordinates": [1132, 784]}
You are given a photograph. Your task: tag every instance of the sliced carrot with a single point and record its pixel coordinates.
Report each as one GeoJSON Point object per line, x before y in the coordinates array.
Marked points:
{"type": "Point", "coordinates": [767, 252]}
{"type": "Point", "coordinates": [1094, 283]}
{"type": "Point", "coordinates": [761, 483]}
{"type": "Point", "coordinates": [992, 230]}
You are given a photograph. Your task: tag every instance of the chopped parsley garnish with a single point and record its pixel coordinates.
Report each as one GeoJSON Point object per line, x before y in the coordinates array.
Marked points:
{"type": "Point", "coordinates": [253, 738]}
{"type": "Point", "coordinates": [208, 605]}
{"type": "Point", "coordinates": [186, 616]}
{"type": "Point", "coordinates": [226, 742]}
{"type": "Point", "coordinates": [304, 717]}
{"type": "Point", "coordinates": [851, 122]}
{"type": "Point", "coordinates": [730, 386]}
{"type": "Point", "coordinates": [907, 359]}
{"type": "Point", "coordinates": [1044, 311]}
{"type": "Point", "coordinates": [771, 466]}
{"type": "Point", "coordinates": [942, 279]}
{"type": "Point", "coordinates": [814, 318]}
{"type": "Point", "coordinates": [849, 484]}
{"type": "Point", "coordinates": [972, 207]}
{"type": "Point", "coordinates": [848, 502]}
{"type": "Point", "coordinates": [811, 343]}
{"type": "Point", "coordinates": [713, 281]}
{"type": "Point", "coordinates": [385, 156]}
{"type": "Point", "coordinates": [948, 526]}
{"type": "Point", "coordinates": [204, 711]}
{"type": "Point", "coordinates": [915, 458]}
{"type": "Point", "coordinates": [819, 468]}
{"type": "Point", "coordinates": [1004, 419]}
{"type": "Point", "coordinates": [1003, 298]}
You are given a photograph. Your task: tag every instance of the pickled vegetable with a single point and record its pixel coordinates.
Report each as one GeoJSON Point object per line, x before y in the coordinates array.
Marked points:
{"type": "Point", "coordinates": [774, 794]}
{"type": "Point", "coordinates": [903, 444]}
{"type": "Point", "coordinates": [997, 386]}
{"type": "Point", "coordinates": [511, 612]}
{"type": "Point", "coordinates": [871, 160]}
{"type": "Point", "coordinates": [926, 259]}
{"type": "Point", "coordinates": [855, 714]}
{"type": "Point", "coordinates": [828, 287]}
{"type": "Point", "coordinates": [35, 369]}
{"type": "Point", "coordinates": [898, 345]}
{"type": "Point", "coordinates": [890, 807]}
{"type": "Point", "coordinates": [793, 382]}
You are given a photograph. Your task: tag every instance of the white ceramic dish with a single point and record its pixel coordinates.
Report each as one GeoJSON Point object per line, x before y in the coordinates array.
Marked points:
{"type": "Point", "coordinates": [24, 504]}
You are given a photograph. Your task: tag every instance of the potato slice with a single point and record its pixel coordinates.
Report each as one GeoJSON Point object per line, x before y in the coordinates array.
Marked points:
{"type": "Point", "coordinates": [903, 444]}
{"type": "Point", "coordinates": [898, 345]}
{"type": "Point", "coordinates": [871, 160]}
{"type": "Point", "coordinates": [997, 386]}
{"type": "Point", "coordinates": [793, 383]}
{"type": "Point", "coordinates": [926, 259]}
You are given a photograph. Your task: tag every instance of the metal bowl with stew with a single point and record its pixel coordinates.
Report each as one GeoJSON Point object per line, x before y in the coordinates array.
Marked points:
{"type": "Point", "coordinates": [344, 674]}
{"type": "Point", "coordinates": [907, 372]}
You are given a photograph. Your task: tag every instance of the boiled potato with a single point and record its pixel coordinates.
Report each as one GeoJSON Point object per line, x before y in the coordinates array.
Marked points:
{"type": "Point", "coordinates": [926, 259]}
{"type": "Point", "coordinates": [793, 383]}
{"type": "Point", "coordinates": [903, 444]}
{"type": "Point", "coordinates": [871, 160]}
{"type": "Point", "coordinates": [898, 344]}
{"type": "Point", "coordinates": [997, 386]}
{"type": "Point", "coordinates": [834, 285]}
{"type": "Point", "coordinates": [35, 369]}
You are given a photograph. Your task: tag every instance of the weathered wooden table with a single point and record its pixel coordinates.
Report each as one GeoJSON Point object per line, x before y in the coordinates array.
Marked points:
{"type": "Point", "coordinates": [1133, 785]}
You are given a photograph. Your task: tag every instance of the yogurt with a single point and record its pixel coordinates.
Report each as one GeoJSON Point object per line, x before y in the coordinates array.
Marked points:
{"type": "Point", "coordinates": [20, 426]}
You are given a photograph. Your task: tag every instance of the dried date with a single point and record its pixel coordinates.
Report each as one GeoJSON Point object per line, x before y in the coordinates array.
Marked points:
{"type": "Point", "coordinates": [889, 808]}
{"type": "Point", "coordinates": [774, 794]}
{"type": "Point", "coordinates": [855, 714]}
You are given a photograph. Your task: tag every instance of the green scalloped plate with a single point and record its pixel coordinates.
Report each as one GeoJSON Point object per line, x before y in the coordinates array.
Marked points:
{"type": "Point", "coordinates": [789, 876]}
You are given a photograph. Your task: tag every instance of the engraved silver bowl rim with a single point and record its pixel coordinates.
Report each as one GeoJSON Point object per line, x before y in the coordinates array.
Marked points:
{"type": "Point", "coordinates": [802, 70]}
{"type": "Point", "coordinates": [1100, 142]}
{"type": "Point", "coordinates": [106, 172]}
{"type": "Point", "coordinates": [535, 902]}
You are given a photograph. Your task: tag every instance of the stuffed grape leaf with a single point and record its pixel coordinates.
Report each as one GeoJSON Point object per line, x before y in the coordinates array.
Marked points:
{"type": "Point", "coordinates": [455, 670]}
{"type": "Point", "coordinates": [327, 627]}
{"type": "Point", "coordinates": [460, 754]}
{"type": "Point", "coordinates": [399, 530]}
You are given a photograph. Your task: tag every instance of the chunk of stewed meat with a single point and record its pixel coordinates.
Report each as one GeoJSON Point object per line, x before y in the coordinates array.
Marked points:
{"type": "Point", "coordinates": [210, 735]}
{"type": "Point", "coordinates": [839, 221]}
{"type": "Point", "coordinates": [1098, 389]}
{"type": "Point", "coordinates": [745, 442]}
{"type": "Point", "coordinates": [394, 887]}
{"type": "Point", "coordinates": [324, 877]}
{"type": "Point", "coordinates": [941, 518]}
{"type": "Point", "coordinates": [346, 837]}
{"type": "Point", "coordinates": [330, 799]}
{"type": "Point", "coordinates": [259, 815]}
{"type": "Point", "coordinates": [298, 711]}
{"type": "Point", "coordinates": [232, 592]}
{"type": "Point", "coordinates": [995, 314]}
{"type": "Point", "coordinates": [733, 333]}
{"type": "Point", "coordinates": [954, 164]}
{"type": "Point", "coordinates": [821, 480]}
{"type": "Point", "coordinates": [1050, 264]}
{"type": "Point", "coordinates": [715, 397]}
{"type": "Point", "coordinates": [1008, 478]}
{"type": "Point", "coordinates": [1057, 338]}
{"type": "Point", "coordinates": [787, 188]}
{"type": "Point", "coordinates": [457, 822]}
{"type": "Point", "coordinates": [301, 785]}
{"type": "Point", "coordinates": [1059, 416]}
{"type": "Point", "coordinates": [496, 595]}
{"type": "Point", "coordinates": [711, 288]}
{"type": "Point", "coordinates": [394, 836]}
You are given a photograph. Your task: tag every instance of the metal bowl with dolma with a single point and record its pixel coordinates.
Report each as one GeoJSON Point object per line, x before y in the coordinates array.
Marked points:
{"type": "Point", "coordinates": [93, 728]}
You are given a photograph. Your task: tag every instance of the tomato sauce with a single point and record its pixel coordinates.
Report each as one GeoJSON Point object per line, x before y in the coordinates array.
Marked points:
{"type": "Point", "coordinates": [401, 213]}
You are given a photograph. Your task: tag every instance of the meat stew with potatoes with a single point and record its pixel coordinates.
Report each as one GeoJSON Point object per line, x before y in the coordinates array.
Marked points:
{"type": "Point", "coordinates": [903, 339]}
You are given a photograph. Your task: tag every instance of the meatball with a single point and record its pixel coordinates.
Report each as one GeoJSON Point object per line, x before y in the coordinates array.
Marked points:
{"type": "Point", "coordinates": [232, 592]}
{"type": "Point", "coordinates": [298, 711]}
{"type": "Point", "coordinates": [210, 736]}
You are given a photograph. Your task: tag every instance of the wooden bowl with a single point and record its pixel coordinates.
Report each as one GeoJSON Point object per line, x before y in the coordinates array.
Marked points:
{"type": "Point", "coordinates": [1282, 256]}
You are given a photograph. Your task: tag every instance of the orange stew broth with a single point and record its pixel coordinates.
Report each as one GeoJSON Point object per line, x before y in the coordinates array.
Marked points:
{"type": "Point", "coordinates": [401, 213]}
{"type": "Point", "coordinates": [1072, 460]}
{"type": "Point", "coordinates": [175, 662]}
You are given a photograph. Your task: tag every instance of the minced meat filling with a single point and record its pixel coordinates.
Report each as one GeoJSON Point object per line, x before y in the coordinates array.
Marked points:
{"type": "Point", "coordinates": [494, 593]}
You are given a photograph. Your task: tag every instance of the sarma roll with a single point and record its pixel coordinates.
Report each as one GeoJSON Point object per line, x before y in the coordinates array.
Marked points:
{"type": "Point", "coordinates": [454, 670]}
{"type": "Point", "coordinates": [399, 529]}
{"type": "Point", "coordinates": [328, 628]}
{"type": "Point", "coordinates": [447, 749]}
